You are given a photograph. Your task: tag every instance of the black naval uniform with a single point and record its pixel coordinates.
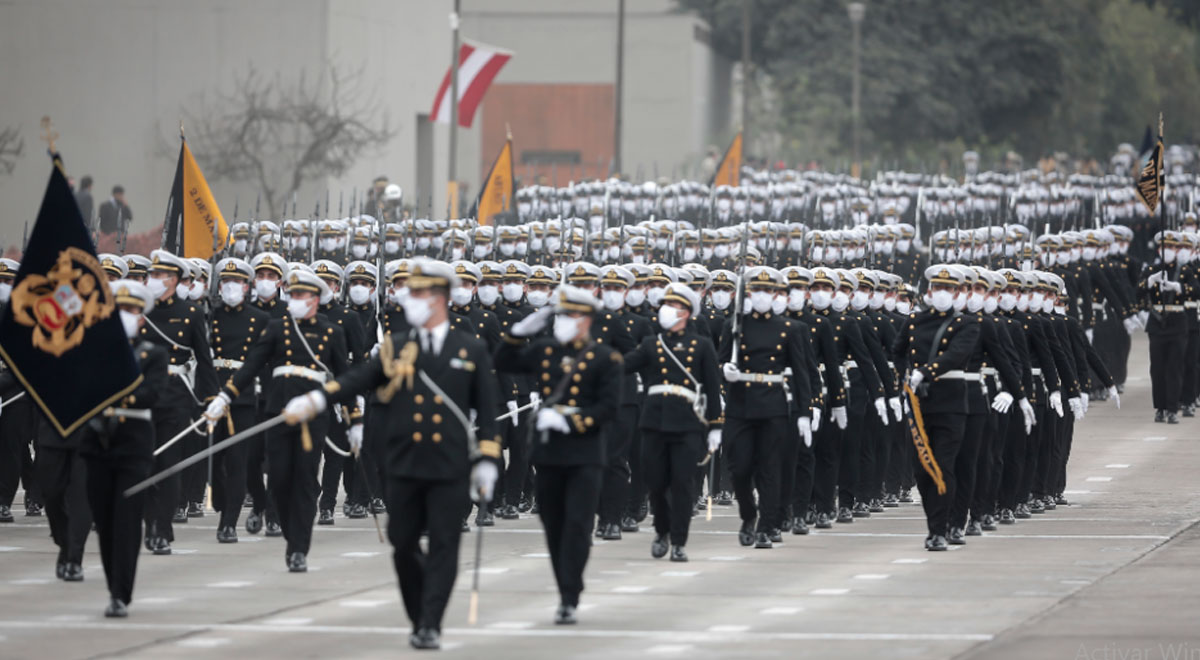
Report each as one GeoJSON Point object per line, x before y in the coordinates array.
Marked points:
{"type": "Point", "coordinates": [118, 452]}
{"type": "Point", "coordinates": [673, 436]}
{"type": "Point", "coordinates": [256, 447]}
{"type": "Point", "coordinates": [234, 330]}
{"type": "Point", "coordinates": [16, 459]}
{"type": "Point", "coordinates": [184, 338]}
{"type": "Point", "coordinates": [832, 394]}
{"type": "Point", "coordinates": [292, 472]}
{"type": "Point", "coordinates": [610, 329]}
{"type": "Point", "coordinates": [61, 476]}
{"type": "Point", "coordinates": [1167, 329]}
{"type": "Point", "coordinates": [428, 456]}
{"type": "Point", "coordinates": [944, 403]}
{"type": "Point", "coordinates": [358, 348]}
{"type": "Point", "coordinates": [583, 379]}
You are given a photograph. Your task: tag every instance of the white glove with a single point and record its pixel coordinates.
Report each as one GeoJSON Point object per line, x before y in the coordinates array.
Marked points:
{"type": "Point", "coordinates": [1156, 278]}
{"type": "Point", "coordinates": [1027, 411]}
{"type": "Point", "coordinates": [1090, 333]}
{"type": "Point", "coordinates": [839, 417]}
{"type": "Point", "coordinates": [532, 324]}
{"type": "Point", "coordinates": [1087, 402]}
{"type": "Point", "coordinates": [714, 441]}
{"type": "Point", "coordinates": [549, 419]}
{"type": "Point", "coordinates": [804, 425]}
{"type": "Point", "coordinates": [730, 372]}
{"type": "Point", "coordinates": [1168, 285]}
{"type": "Point", "coordinates": [1131, 324]}
{"type": "Point", "coordinates": [1056, 402]}
{"type": "Point", "coordinates": [375, 350]}
{"type": "Point", "coordinates": [897, 411]}
{"type": "Point", "coordinates": [1143, 317]}
{"type": "Point", "coordinates": [483, 481]}
{"type": "Point", "coordinates": [915, 379]}
{"type": "Point", "coordinates": [1076, 405]}
{"type": "Point", "coordinates": [1115, 396]}
{"type": "Point", "coordinates": [355, 436]}
{"type": "Point", "coordinates": [1002, 402]}
{"type": "Point", "coordinates": [535, 399]}
{"type": "Point", "coordinates": [512, 410]}
{"type": "Point", "coordinates": [881, 408]}
{"type": "Point", "coordinates": [304, 407]}
{"type": "Point", "coordinates": [816, 420]}
{"type": "Point", "coordinates": [217, 407]}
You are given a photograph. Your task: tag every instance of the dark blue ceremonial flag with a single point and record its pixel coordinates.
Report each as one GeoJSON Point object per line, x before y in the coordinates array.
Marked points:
{"type": "Point", "coordinates": [61, 334]}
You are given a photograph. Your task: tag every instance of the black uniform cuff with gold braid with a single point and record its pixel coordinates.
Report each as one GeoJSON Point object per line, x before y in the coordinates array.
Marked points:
{"type": "Point", "coordinates": [490, 448]}
{"type": "Point", "coordinates": [515, 341]}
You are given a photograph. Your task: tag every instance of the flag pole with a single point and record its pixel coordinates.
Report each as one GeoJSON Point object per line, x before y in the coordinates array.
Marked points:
{"type": "Point", "coordinates": [452, 188]}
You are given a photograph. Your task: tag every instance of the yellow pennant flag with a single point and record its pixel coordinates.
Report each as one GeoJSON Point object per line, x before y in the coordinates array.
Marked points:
{"type": "Point", "coordinates": [729, 170]}
{"type": "Point", "coordinates": [204, 228]}
{"type": "Point", "coordinates": [496, 196]}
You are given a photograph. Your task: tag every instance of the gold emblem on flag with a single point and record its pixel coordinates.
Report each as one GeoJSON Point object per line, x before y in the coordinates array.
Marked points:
{"type": "Point", "coordinates": [62, 304]}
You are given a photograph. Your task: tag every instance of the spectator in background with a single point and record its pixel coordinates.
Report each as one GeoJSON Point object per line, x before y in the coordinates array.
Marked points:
{"type": "Point", "coordinates": [83, 198]}
{"type": "Point", "coordinates": [115, 213]}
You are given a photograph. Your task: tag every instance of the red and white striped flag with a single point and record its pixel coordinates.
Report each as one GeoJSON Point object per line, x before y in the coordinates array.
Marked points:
{"type": "Point", "coordinates": [478, 65]}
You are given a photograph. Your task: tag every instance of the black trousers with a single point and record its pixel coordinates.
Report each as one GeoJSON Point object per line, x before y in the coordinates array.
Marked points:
{"type": "Point", "coordinates": [825, 466]}
{"type": "Point", "coordinates": [669, 460]}
{"type": "Point", "coordinates": [63, 478]}
{"type": "Point", "coordinates": [1191, 369]}
{"type": "Point", "coordinates": [754, 446]}
{"type": "Point", "coordinates": [163, 498]}
{"type": "Point", "coordinates": [292, 480]}
{"type": "Point", "coordinates": [614, 489]}
{"type": "Point", "coordinates": [1056, 480]}
{"type": "Point", "coordinates": [17, 428]}
{"type": "Point", "coordinates": [975, 444]}
{"type": "Point", "coordinates": [791, 453]}
{"type": "Point", "coordinates": [1051, 428]}
{"type": "Point", "coordinates": [1166, 370]}
{"type": "Point", "coordinates": [335, 464]}
{"type": "Point", "coordinates": [803, 472]}
{"type": "Point", "coordinates": [195, 478]}
{"type": "Point", "coordinates": [256, 469]}
{"type": "Point", "coordinates": [364, 475]}
{"type": "Point", "coordinates": [870, 457]}
{"type": "Point", "coordinates": [229, 467]}
{"type": "Point", "coordinates": [1016, 450]}
{"type": "Point", "coordinates": [118, 518]}
{"type": "Point", "coordinates": [850, 457]}
{"type": "Point", "coordinates": [636, 495]}
{"type": "Point", "coordinates": [426, 578]}
{"type": "Point", "coordinates": [991, 461]}
{"type": "Point", "coordinates": [945, 432]}
{"type": "Point", "coordinates": [567, 497]}
{"type": "Point", "coordinates": [517, 469]}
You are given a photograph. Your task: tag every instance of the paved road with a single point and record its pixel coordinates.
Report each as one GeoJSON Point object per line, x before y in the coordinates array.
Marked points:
{"type": "Point", "coordinates": [1115, 573]}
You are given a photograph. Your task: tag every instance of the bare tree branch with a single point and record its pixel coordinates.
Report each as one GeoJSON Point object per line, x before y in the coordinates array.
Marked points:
{"type": "Point", "coordinates": [11, 146]}
{"type": "Point", "coordinates": [280, 134]}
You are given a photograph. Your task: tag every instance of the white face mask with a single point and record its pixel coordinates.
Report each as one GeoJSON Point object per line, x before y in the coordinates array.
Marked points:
{"type": "Point", "coordinates": [183, 291]}
{"type": "Point", "coordinates": [903, 244]}
{"type": "Point", "coordinates": [423, 243]}
{"type": "Point", "coordinates": [821, 300]}
{"type": "Point", "coordinates": [299, 307]}
{"type": "Point", "coordinates": [760, 301]}
{"type": "Point", "coordinates": [841, 300]}
{"type": "Point", "coordinates": [130, 322]}
{"type": "Point", "coordinates": [668, 316]}
{"type": "Point", "coordinates": [5, 292]}
{"type": "Point", "coordinates": [328, 244]}
{"type": "Point", "coordinates": [990, 303]}
{"type": "Point", "coordinates": [513, 291]}
{"type": "Point", "coordinates": [1059, 309]}
{"type": "Point", "coordinates": [1008, 301]}
{"type": "Point", "coordinates": [721, 299]}
{"type": "Point", "coordinates": [941, 300]}
{"type": "Point", "coordinates": [1169, 255]}
{"type": "Point", "coordinates": [1023, 302]}
{"type": "Point", "coordinates": [239, 245]}
{"type": "Point", "coordinates": [1037, 300]}
{"type": "Point", "coordinates": [417, 311]}
{"type": "Point", "coordinates": [877, 299]}
{"type": "Point", "coordinates": [889, 304]}
{"type": "Point", "coordinates": [975, 302]}
{"type": "Point", "coordinates": [156, 286]}
{"type": "Point", "coordinates": [233, 293]}
{"type": "Point", "coordinates": [359, 251]}
{"type": "Point", "coordinates": [904, 307]}
{"type": "Point", "coordinates": [456, 253]}
{"type": "Point", "coordinates": [635, 297]}
{"type": "Point", "coordinates": [721, 251]}
{"type": "Point", "coordinates": [360, 294]}
{"type": "Point", "coordinates": [199, 290]}
{"type": "Point", "coordinates": [960, 302]}
{"type": "Point", "coordinates": [779, 305]}
{"type": "Point", "coordinates": [391, 247]}
{"type": "Point", "coordinates": [1047, 306]}
{"type": "Point", "coordinates": [689, 254]}
{"type": "Point", "coordinates": [860, 300]}
{"type": "Point", "coordinates": [508, 249]}
{"type": "Point", "coordinates": [655, 295]}
{"type": "Point", "coordinates": [1063, 258]}
{"type": "Point", "coordinates": [488, 293]}
{"type": "Point", "coordinates": [481, 251]}
{"type": "Point", "coordinates": [460, 295]}
{"type": "Point", "coordinates": [795, 300]}
{"type": "Point", "coordinates": [266, 288]}
{"type": "Point", "coordinates": [538, 298]}
{"type": "Point", "coordinates": [613, 300]}
{"type": "Point", "coordinates": [1089, 253]}
{"type": "Point", "coordinates": [565, 327]}
{"type": "Point", "coordinates": [398, 296]}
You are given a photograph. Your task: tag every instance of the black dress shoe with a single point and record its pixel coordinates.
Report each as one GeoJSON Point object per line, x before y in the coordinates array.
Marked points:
{"type": "Point", "coordinates": [181, 516]}
{"type": "Point", "coordinates": [823, 521]}
{"type": "Point", "coordinates": [565, 615]}
{"type": "Point", "coordinates": [1160, 416]}
{"type": "Point", "coordinates": [273, 529]}
{"type": "Point", "coordinates": [484, 518]}
{"type": "Point", "coordinates": [297, 563]}
{"type": "Point", "coordinates": [844, 515]}
{"type": "Point", "coordinates": [891, 501]}
{"type": "Point", "coordinates": [162, 546]}
{"type": "Point", "coordinates": [248, 501]}
{"type": "Point", "coordinates": [116, 609]}
{"type": "Point", "coordinates": [60, 569]}
{"type": "Point", "coordinates": [799, 527]}
{"type": "Point", "coordinates": [33, 510]}
{"type": "Point", "coordinates": [956, 536]}
{"type": "Point", "coordinates": [678, 553]}
{"type": "Point", "coordinates": [1036, 506]}
{"type": "Point", "coordinates": [724, 498]}
{"type": "Point", "coordinates": [1022, 512]}
{"type": "Point", "coordinates": [357, 512]}
{"type": "Point", "coordinates": [1172, 418]}
{"type": "Point", "coordinates": [974, 529]}
{"type": "Point", "coordinates": [599, 531]}
{"type": "Point", "coordinates": [227, 535]}
{"type": "Point", "coordinates": [254, 522]}
{"type": "Point", "coordinates": [1007, 517]}
{"type": "Point", "coordinates": [377, 506]}
{"type": "Point", "coordinates": [988, 524]}
{"type": "Point", "coordinates": [425, 639]}
{"type": "Point", "coordinates": [775, 535]}
{"type": "Point", "coordinates": [325, 517]}
{"type": "Point", "coordinates": [876, 505]}
{"type": "Point", "coordinates": [936, 544]}
{"type": "Point", "coordinates": [1048, 503]}
{"type": "Point", "coordinates": [643, 510]}
{"type": "Point", "coordinates": [658, 548]}
{"type": "Point", "coordinates": [466, 527]}
{"type": "Point", "coordinates": [628, 524]}
{"type": "Point", "coordinates": [906, 495]}
{"type": "Point", "coordinates": [762, 541]}
{"type": "Point", "coordinates": [810, 516]}
{"type": "Point", "coordinates": [861, 510]}
{"type": "Point", "coordinates": [612, 532]}
{"type": "Point", "coordinates": [524, 505]}
{"type": "Point", "coordinates": [1188, 411]}
{"type": "Point", "coordinates": [746, 533]}
{"type": "Point", "coordinates": [72, 572]}
{"type": "Point", "coordinates": [195, 510]}
{"type": "Point", "coordinates": [6, 513]}
{"type": "Point", "coordinates": [1060, 500]}
{"type": "Point", "coordinates": [509, 512]}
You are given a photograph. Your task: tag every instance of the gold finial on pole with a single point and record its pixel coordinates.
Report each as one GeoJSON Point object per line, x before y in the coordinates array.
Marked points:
{"type": "Point", "coordinates": [49, 134]}
{"type": "Point", "coordinates": [181, 127]}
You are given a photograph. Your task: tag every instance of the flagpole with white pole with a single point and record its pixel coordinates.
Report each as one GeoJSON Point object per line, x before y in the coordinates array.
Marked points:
{"type": "Point", "coordinates": [452, 187]}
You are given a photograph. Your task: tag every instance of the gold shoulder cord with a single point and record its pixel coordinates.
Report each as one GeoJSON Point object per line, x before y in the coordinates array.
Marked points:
{"type": "Point", "coordinates": [399, 370]}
